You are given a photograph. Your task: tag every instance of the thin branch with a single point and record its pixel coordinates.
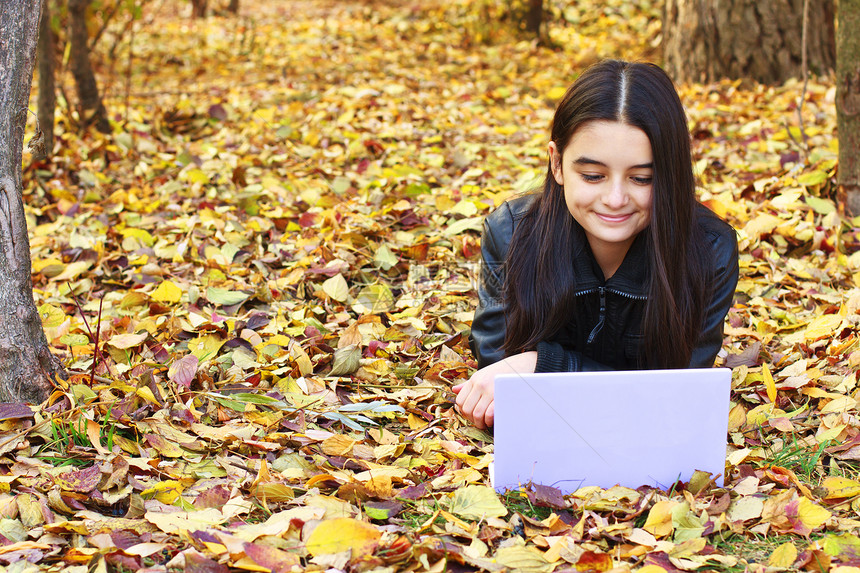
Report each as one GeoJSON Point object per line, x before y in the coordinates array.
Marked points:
{"type": "Point", "coordinates": [105, 23]}
{"type": "Point", "coordinates": [130, 57]}
{"type": "Point", "coordinates": [805, 72]}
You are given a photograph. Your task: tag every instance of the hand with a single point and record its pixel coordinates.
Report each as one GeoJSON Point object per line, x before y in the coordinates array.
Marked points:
{"type": "Point", "coordinates": [475, 397]}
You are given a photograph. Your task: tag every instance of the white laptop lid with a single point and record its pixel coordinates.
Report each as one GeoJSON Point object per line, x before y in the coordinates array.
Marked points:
{"type": "Point", "coordinates": [631, 428]}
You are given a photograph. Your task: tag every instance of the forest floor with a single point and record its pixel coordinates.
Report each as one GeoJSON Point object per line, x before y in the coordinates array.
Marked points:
{"type": "Point", "coordinates": [261, 284]}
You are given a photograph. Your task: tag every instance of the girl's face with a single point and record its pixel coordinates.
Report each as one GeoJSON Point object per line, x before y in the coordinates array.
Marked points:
{"type": "Point", "coordinates": [606, 171]}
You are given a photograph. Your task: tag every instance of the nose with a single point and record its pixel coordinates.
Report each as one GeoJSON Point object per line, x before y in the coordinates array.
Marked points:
{"type": "Point", "coordinates": [616, 195]}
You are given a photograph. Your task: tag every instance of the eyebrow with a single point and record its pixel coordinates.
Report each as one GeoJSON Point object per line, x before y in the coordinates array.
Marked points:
{"type": "Point", "coordinates": [588, 161]}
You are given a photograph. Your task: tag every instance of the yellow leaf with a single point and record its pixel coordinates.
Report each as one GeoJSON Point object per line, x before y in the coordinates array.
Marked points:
{"type": "Point", "coordinates": [745, 508]}
{"type": "Point", "coordinates": [167, 491]}
{"type": "Point", "coordinates": [200, 520]}
{"type": "Point", "coordinates": [277, 340]}
{"type": "Point", "coordinates": [822, 327]}
{"type": "Point", "coordinates": [737, 417]}
{"type": "Point", "coordinates": [51, 315]}
{"type": "Point", "coordinates": [196, 176]}
{"type": "Point", "coordinates": [768, 383]}
{"type": "Point", "coordinates": [477, 502]}
{"type": "Point", "coordinates": [249, 564]}
{"type": "Point", "coordinates": [519, 558]}
{"type": "Point", "coordinates": [659, 522]}
{"type": "Point", "coordinates": [379, 486]}
{"type": "Point", "coordinates": [812, 178]}
{"type": "Point", "coordinates": [346, 361]}
{"type": "Point", "coordinates": [556, 93]}
{"type": "Point", "coordinates": [29, 510]}
{"type": "Point", "coordinates": [810, 514]}
{"type": "Point", "coordinates": [783, 556]}
{"type": "Point", "coordinates": [507, 129]}
{"type": "Point", "coordinates": [139, 234]}
{"type": "Point", "coordinates": [72, 271]}
{"type": "Point", "coordinates": [651, 569]}
{"type": "Point", "coordinates": [145, 392]}
{"type": "Point", "coordinates": [206, 346]}
{"type": "Point", "coordinates": [168, 292]}
{"type": "Point", "coordinates": [416, 423]}
{"type": "Point", "coordinates": [343, 534]}
{"type": "Point", "coordinates": [125, 341]}
{"type": "Point", "coordinates": [48, 267]}
{"type": "Point", "coordinates": [762, 225]}
{"type": "Point", "coordinates": [338, 445]}
{"type": "Point", "coordinates": [336, 288]}
{"type": "Point", "coordinates": [839, 487]}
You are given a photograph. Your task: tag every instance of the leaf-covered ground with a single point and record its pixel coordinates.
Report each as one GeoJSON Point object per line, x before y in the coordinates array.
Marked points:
{"type": "Point", "coordinates": [262, 282]}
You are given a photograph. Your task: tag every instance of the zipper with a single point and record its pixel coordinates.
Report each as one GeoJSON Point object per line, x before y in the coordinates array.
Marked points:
{"type": "Point", "coordinates": [627, 295]}
{"type": "Point", "coordinates": [602, 317]}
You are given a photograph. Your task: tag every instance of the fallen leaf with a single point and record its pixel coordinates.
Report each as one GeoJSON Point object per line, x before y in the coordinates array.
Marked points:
{"type": "Point", "coordinates": [477, 502]}
{"type": "Point", "coordinates": [343, 534]}
{"type": "Point", "coordinates": [783, 556]}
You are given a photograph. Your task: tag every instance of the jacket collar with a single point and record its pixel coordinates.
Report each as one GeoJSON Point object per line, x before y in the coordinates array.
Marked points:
{"type": "Point", "coordinates": [630, 279]}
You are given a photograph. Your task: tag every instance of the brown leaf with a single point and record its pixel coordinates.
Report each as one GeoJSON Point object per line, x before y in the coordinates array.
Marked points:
{"type": "Point", "coordinates": [81, 481]}
{"type": "Point", "coordinates": [274, 559]}
{"type": "Point", "coordinates": [546, 496]}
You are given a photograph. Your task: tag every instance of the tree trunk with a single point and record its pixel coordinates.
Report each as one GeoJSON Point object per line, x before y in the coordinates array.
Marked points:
{"type": "Point", "coordinates": [534, 18]}
{"type": "Point", "coordinates": [198, 8]}
{"type": "Point", "coordinates": [233, 7]}
{"type": "Point", "coordinates": [92, 110]}
{"type": "Point", "coordinates": [47, 97]}
{"type": "Point", "coordinates": [26, 364]}
{"type": "Point", "coordinates": [848, 103]}
{"type": "Point", "coordinates": [705, 40]}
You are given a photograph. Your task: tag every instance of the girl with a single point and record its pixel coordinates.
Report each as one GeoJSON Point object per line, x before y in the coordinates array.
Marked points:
{"type": "Point", "coordinates": [615, 266]}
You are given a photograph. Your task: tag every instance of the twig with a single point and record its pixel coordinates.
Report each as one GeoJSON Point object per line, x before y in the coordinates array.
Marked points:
{"type": "Point", "coordinates": [97, 350]}
{"type": "Point", "coordinates": [105, 23]}
{"type": "Point", "coordinates": [128, 26]}
{"type": "Point", "coordinates": [804, 150]}
{"type": "Point", "coordinates": [95, 339]}
{"type": "Point", "coordinates": [128, 69]}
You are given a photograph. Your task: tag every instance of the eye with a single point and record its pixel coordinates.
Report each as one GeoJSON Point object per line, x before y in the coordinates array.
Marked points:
{"type": "Point", "coordinates": [641, 180]}
{"type": "Point", "coordinates": [591, 177]}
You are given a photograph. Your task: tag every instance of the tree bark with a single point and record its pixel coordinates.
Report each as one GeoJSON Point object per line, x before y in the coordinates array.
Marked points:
{"type": "Point", "coordinates": [198, 8]}
{"type": "Point", "coordinates": [26, 364]}
{"type": "Point", "coordinates": [534, 18]}
{"type": "Point", "coordinates": [848, 103]}
{"type": "Point", "coordinates": [705, 40]}
{"type": "Point", "coordinates": [92, 110]}
{"type": "Point", "coordinates": [47, 96]}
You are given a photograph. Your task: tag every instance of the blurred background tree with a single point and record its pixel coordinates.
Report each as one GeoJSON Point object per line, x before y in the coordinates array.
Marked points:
{"type": "Point", "coordinates": [848, 104]}
{"type": "Point", "coordinates": [756, 39]}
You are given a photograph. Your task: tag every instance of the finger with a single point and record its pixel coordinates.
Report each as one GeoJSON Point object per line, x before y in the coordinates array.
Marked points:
{"type": "Point", "coordinates": [485, 410]}
{"type": "Point", "coordinates": [479, 411]}
{"type": "Point", "coordinates": [463, 395]}
{"type": "Point", "coordinates": [457, 387]}
{"type": "Point", "coordinates": [471, 402]}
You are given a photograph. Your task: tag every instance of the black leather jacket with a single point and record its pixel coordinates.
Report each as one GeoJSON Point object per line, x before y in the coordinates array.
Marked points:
{"type": "Point", "coordinates": [606, 333]}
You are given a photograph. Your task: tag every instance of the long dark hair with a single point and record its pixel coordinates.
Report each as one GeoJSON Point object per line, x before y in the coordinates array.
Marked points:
{"type": "Point", "coordinates": [540, 282]}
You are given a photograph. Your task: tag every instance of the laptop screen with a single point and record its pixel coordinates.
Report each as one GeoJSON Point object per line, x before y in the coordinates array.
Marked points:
{"type": "Point", "coordinates": [631, 428]}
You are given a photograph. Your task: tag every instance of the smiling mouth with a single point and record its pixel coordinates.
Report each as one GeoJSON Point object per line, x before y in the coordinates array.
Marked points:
{"type": "Point", "coordinates": [614, 218]}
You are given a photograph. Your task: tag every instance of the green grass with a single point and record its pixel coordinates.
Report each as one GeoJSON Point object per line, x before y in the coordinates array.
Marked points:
{"type": "Point", "coordinates": [755, 548]}
{"type": "Point", "coordinates": [517, 501]}
{"type": "Point", "coordinates": [66, 434]}
{"type": "Point", "coordinates": [804, 461]}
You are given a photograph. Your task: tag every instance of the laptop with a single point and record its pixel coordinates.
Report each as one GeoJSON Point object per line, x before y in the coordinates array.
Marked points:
{"type": "Point", "coordinates": [631, 428]}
